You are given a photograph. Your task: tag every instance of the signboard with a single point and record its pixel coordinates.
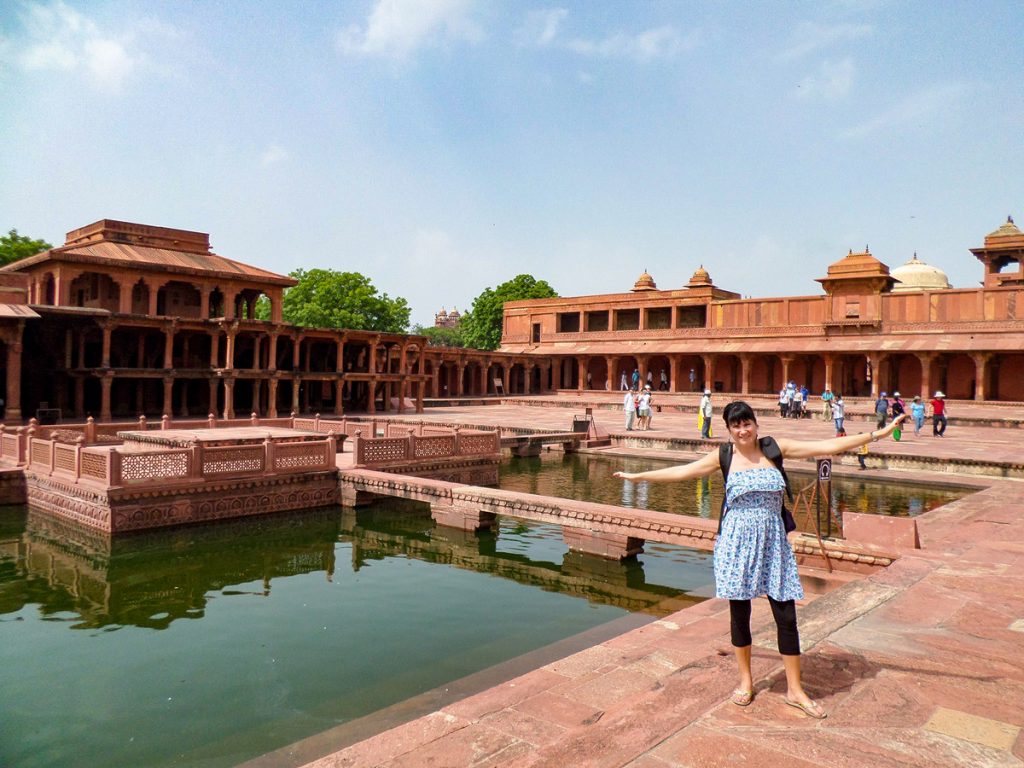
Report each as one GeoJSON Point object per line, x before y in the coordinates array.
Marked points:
{"type": "Point", "coordinates": [824, 470]}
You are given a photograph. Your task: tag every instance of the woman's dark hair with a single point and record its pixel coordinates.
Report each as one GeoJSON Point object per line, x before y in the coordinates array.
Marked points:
{"type": "Point", "coordinates": [738, 411]}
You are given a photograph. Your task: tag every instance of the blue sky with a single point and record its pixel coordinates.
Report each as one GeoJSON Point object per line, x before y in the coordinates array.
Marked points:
{"type": "Point", "coordinates": [444, 146]}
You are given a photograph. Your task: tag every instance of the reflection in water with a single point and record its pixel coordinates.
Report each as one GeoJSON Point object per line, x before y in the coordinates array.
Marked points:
{"type": "Point", "coordinates": [295, 623]}
{"type": "Point", "coordinates": [587, 476]}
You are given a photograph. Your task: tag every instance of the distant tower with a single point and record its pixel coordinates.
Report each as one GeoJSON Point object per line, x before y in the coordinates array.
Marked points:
{"type": "Point", "coordinates": [447, 319]}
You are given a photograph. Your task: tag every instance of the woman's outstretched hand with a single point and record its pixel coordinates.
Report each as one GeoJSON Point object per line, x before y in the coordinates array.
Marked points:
{"type": "Point", "coordinates": [624, 475]}
{"type": "Point", "coordinates": [891, 426]}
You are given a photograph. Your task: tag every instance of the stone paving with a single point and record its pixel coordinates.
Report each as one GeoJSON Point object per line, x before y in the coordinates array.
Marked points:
{"type": "Point", "coordinates": [918, 664]}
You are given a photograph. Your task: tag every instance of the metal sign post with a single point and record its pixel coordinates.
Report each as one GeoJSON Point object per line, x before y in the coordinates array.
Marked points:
{"type": "Point", "coordinates": [824, 487]}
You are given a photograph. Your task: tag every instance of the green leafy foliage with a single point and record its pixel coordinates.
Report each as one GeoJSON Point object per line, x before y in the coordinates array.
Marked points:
{"type": "Point", "coordinates": [14, 246]}
{"type": "Point", "coordinates": [325, 298]}
{"type": "Point", "coordinates": [481, 326]}
{"type": "Point", "coordinates": [440, 337]}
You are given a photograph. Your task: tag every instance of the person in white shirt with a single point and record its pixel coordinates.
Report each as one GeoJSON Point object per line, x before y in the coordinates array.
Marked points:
{"type": "Point", "coordinates": [629, 408]}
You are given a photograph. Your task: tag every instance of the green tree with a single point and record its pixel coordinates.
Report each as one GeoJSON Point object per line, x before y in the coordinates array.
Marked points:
{"type": "Point", "coordinates": [14, 246]}
{"type": "Point", "coordinates": [325, 298]}
{"type": "Point", "coordinates": [440, 337]}
{"type": "Point", "coordinates": [481, 326]}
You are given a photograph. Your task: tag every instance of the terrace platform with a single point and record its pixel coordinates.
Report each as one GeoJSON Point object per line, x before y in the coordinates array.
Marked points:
{"type": "Point", "coordinates": [918, 663]}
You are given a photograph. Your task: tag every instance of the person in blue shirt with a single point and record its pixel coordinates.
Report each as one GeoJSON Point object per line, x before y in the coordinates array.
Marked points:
{"type": "Point", "coordinates": [917, 412]}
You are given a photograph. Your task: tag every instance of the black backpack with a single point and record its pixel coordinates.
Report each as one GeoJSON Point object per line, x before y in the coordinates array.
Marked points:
{"type": "Point", "coordinates": [771, 450]}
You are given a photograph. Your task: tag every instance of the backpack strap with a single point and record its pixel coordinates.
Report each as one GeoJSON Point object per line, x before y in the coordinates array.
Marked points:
{"type": "Point", "coordinates": [724, 460]}
{"type": "Point", "coordinates": [771, 450]}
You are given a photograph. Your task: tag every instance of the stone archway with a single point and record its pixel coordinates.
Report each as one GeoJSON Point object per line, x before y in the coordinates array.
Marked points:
{"type": "Point", "coordinates": [597, 373]}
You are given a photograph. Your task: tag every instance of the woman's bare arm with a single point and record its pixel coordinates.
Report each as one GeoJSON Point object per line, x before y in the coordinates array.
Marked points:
{"type": "Point", "coordinates": [806, 449]}
{"type": "Point", "coordinates": [703, 467]}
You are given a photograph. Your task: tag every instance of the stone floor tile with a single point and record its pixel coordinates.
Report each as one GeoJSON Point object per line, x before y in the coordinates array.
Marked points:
{"type": "Point", "coordinates": [585, 662]}
{"type": "Point", "coordinates": [560, 710]}
{"type": "Point", "coordinates": [980, 730]}
{"type": "Point", "coordinates": [530, 729]}
{"type": "Point", "coordinates": [393, 743]}
{"type": "Point", "coordinates": [609, 689]}
{"type": "Point", "coordinates": [504, 695]}
{"type": "Point", "coordinates": [700, 747]}
{"type": "Point", "coordinates": [471, 746]}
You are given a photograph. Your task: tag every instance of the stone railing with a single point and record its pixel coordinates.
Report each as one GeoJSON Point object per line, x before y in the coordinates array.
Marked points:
{"type": "Point", "coordinates": [113, 466]}
{"type": "Point", "coordinates": [456, 443]}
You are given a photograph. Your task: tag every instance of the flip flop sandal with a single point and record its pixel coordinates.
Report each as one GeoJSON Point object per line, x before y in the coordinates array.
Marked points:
{"type": "Point", "coordinates": [811, 709]}
{"type": "Point", "coordinates": [742, 698]}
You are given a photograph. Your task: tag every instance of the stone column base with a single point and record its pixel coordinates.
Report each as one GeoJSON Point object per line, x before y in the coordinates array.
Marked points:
{"type": "Point", "coordinates": [614, 546]}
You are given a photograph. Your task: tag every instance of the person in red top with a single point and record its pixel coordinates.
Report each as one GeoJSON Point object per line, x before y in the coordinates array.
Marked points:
{"type": "Point", "coordinates": [938, 415]}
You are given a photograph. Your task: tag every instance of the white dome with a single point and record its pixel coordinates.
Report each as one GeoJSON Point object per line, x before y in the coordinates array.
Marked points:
{"type": "Point", "coordinates": [915, 275]}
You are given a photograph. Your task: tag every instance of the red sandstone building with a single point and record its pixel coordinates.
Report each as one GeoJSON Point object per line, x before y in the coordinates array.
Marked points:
{"type": "Point", "coordinates": [126, 319]}
{"type": "Point", "coordinates": [870, 331]}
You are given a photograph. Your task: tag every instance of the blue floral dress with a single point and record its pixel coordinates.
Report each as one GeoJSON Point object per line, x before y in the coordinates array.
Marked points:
{"type": "Point", "coordinates": [752, 554]}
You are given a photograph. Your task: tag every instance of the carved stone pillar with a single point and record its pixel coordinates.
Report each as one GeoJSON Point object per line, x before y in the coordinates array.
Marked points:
{"type": "Point", "coordinates": [12, 407]}
{"type": "Point", "coordinates": [214, 383]}
{"type": "Point", "coordinates": [214, 350]}
{"type": "Point", "coordinates": [746, 363]}
{"type": "Point", "coordinates": [106, 381]}
{"type": "Point", "coordinates": [925, 359]}
{"type": "Point", "coordinates": [878, 382]}
{"type": "Point", "coordinates": [787, 364]}
{"type": "Point", "coordinates": [229, 348]}
{"type": "Point", "coordinates": [674, 370]}
{"type": "Point", "coordinates": [980, 373]}
{"type": "Point", "coordinates": [229, 398]}
{"type": "Point", "coordinates": [581, 372]}
{"type": "Point", "coordinates": [272, 352]}
{"type": "Point", "coordinates": [256, 352]}
{"type": "Point", "coordinates": [296, 352]}
{"type": "Point", "coordinates": [168, 395]}
{"type": "Point", "coordinates": [461, 370]}
{"type": "Point", "coordinates": [339, 401]}
{"type": "Point", "coordinates": [709, 371]}
{"type": "Point", "coordinates": [609, 364]}
{"type": "Point", "coordinates": [296, 386]}
{"type": "Point", "coordinates": [169, 346]}
{"type": "Point", "coordinates": [527, 375]}
{"type": "Point", "coordinates": [830, 362]}
{"type": "Point", "coordinates": [272, 397]}
{"type": "Point", "coordinates": [339, 363]}
{"type": "Point", "coordinates": [107, 331]}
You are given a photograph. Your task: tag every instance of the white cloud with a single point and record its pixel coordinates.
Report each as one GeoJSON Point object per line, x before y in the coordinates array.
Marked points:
{"type": "Point", "coordinates": [541, 27]}
{"type": "Point", "coordinates": [58, 38]}
{"type": "Point", "coordinates": [918, 107]}
{"type": "Point", "coordinates": [397, 28]}
{"type": "Point", "coordinates": [661, 43]}
{"type": "Point", "coordinates": [809, 37]}
{"type": "Point", "coordinates": [272, 155]}
{"type": "Point", "coordinates": [832, 81]}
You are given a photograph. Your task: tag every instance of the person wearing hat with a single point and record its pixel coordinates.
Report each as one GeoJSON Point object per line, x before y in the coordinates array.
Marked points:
{"type": "Point", "coordinates": [707, 411]}
{"type": "Point", "coordinates": [898, 406]}
{"type": "Point", "coordinates": [917, 413]}
{"type": "Point", "coordinates": [938, 405]}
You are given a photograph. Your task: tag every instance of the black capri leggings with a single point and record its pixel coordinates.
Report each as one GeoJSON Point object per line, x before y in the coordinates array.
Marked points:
{"type": "Point", "coordinates": [785, 620]}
